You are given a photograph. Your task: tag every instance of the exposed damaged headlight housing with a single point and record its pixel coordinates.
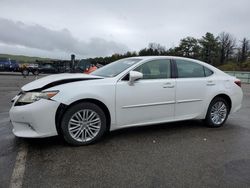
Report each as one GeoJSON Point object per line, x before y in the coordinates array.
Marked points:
{"type": "Point", "coordinates": [30, 97]}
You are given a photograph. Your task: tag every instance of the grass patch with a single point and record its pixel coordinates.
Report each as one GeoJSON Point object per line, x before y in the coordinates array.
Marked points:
{"type": "Point", "coordinates": [23, 58]}
{"type": "Point", "coordinates": [233, 66]}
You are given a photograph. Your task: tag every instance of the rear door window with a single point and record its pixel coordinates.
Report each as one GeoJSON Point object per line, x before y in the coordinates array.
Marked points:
{"type": "Point", "coordinates": [189, 69]}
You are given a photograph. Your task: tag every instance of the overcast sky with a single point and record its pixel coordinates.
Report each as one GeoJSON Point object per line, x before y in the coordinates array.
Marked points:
{"type": "Point", "coordinates": [90, 28]}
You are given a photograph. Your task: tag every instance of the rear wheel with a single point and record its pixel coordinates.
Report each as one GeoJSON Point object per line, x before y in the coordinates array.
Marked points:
{"type": "Point", "coordinates": [217, 113]}
{"type": "Point", "coordinates": [83, 124]}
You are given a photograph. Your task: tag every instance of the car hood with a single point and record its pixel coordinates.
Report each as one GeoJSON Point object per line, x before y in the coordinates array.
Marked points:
{"type": "Point", "coordinates": [57, 79]}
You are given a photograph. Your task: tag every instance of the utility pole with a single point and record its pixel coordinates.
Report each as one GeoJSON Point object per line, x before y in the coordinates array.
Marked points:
{"type": "Point", "coordinates": [72, 63]}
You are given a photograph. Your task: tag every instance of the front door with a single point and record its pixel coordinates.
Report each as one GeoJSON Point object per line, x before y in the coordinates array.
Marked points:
{"type": "Point", "coordinates": [150, 99]}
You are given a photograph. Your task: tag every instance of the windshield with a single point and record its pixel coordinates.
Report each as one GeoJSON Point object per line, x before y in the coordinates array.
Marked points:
{"type": "Point", "coordinates": [115, 68]}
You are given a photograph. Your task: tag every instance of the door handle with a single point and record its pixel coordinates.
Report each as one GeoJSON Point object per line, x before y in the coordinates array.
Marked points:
{"type": "Point", "coordinates": [168, 85]}
{"type": "Point", "coordinates": [210, 83]}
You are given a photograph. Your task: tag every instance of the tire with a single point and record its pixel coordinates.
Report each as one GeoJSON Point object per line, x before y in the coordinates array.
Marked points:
{"type": "Point", "coordinates": [83, 132]}
{"type": "Point", "coordinates": [25, 72]}
{"type": "Point", "coordinates": [216, 117]}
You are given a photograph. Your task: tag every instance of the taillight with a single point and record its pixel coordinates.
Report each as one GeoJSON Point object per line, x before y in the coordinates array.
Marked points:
{"type": "Point", "coordinates": [238, 82]}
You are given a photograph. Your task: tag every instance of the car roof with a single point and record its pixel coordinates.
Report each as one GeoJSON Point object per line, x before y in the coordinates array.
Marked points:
{"type": "Point", "coordinates": [145, 58]}
{"type": "Point", "coordinates": [160, 57]}
{"type": "Point", "coordinates": [168, 57]}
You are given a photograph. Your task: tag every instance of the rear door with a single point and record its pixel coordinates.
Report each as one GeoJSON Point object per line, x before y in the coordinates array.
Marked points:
{"type": "Point", "coordinates": [191, 88]}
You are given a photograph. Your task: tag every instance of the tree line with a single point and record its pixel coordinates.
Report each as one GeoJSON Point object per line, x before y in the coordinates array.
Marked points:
{"type": "Point", "coordinates": [215, 50]}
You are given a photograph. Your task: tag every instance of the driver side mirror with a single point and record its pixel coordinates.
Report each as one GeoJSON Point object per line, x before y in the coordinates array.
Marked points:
{"type": "Point", "coordinates": [133, 76]}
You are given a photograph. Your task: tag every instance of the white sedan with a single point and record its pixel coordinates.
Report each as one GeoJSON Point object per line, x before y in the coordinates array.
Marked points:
{"type": "Point", "coordinates": [129, 92]}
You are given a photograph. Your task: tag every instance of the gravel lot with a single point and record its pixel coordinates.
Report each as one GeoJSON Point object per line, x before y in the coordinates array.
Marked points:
{"type": "Point", "coordinates": [183, 154]}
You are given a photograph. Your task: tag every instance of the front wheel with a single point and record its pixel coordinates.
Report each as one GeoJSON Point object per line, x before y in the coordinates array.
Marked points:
{"type": "Point", "coordinates": [217, 113]}
{"type": "Point", "coordinates": [83, 124]}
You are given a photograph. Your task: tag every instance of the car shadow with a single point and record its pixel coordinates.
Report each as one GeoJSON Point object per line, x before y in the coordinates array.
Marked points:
{"type": "Point", "coordinates": [124, 133]}
{"type": "Point", "coordinates": [190, 124]}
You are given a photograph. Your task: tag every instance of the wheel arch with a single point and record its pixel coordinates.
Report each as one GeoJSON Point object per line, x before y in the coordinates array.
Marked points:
{"type": "Point", "coordinates": [225, 97]}
{"type": "Point", "coordinates": [62, 108]}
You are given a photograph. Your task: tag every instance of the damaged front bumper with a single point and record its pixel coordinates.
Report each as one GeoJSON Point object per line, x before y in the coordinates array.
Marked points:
{"type": "Point", "coordinates": [34, 120]}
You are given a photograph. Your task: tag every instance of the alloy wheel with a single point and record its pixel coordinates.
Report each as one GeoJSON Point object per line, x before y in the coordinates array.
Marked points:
{"type": "Point", "coordinates": [84, 125]}
{"type": "Point", "coordinates": [218, 113]}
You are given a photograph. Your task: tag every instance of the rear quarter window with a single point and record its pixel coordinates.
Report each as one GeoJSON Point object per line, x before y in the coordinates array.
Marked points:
{"type": "Point", "coordinates": [208, 72]}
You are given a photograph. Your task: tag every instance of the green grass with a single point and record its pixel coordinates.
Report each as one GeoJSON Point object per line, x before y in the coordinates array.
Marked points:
{"type": "Point", "coordinates": [23, 58]}
{"type": "Point", "coordinates": [233, 66]}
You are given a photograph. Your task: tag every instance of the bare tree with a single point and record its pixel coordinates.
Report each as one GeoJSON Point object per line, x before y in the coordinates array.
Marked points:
{"type": "Point", "coordinates": [227, 45]}
{"type": "Point", "coordinates": [244, 50]}
{"type": "Point", "coordinates": [157, 48]}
